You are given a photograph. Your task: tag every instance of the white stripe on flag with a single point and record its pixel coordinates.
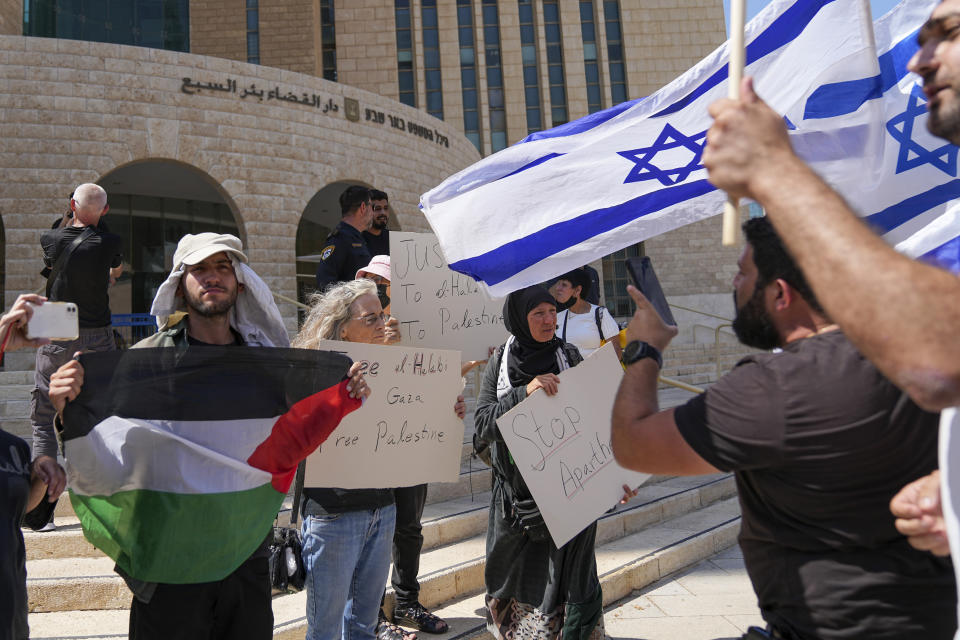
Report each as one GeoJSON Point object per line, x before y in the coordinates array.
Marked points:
{"type": "Point", "coordinates": [212, 459]}
{"type": "Point", "coordinates": [585, 190]}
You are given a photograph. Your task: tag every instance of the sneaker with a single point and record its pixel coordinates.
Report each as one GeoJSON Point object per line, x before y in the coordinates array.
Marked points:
{"type": "Point", "coordinates": [417, 616]}
{"type": "Point", "coordinates": [48, 527]}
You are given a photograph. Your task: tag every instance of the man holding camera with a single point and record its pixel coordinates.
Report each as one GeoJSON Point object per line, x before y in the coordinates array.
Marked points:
{"type": "Point", "coordinates": [82, 261]}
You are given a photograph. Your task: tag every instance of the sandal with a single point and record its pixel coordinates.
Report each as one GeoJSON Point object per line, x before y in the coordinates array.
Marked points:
{"type": "Point", "coordinates": [386, 630]}
{"type": "Point", "coordinates": [417, 616]}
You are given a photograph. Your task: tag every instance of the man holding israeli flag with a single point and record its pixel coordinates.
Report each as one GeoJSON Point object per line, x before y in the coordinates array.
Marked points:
{"type": "Point", "coordinates": [901, 313]}
{"type": "Point", "coordinates": [634, 171]}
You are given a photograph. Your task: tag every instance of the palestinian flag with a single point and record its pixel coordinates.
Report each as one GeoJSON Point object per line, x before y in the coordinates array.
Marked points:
{"type": "Point", "coordinates": [179, 459]}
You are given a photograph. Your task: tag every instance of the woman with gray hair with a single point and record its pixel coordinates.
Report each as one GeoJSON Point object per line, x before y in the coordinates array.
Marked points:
{"type": "Point", "coordinates": [347, 533]}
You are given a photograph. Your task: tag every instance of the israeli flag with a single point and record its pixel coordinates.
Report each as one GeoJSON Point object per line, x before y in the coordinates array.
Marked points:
{"type": "Point", "coordinates": [564, 197]}
{"type": "Point", "coordinates": [915, 204]}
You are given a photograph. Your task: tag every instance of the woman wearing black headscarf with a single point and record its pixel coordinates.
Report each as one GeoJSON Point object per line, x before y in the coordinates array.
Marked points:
{"type": "Point", "coordinates": [534, 589]}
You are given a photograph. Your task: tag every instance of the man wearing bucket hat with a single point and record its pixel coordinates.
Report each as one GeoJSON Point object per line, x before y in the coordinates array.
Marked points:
{"type": "Point", "coordinates": [211, 297]}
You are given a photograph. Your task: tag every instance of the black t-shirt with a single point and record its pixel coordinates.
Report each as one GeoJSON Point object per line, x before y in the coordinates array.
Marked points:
{"type": "Point", "coordinates": [14, 490]}
{"type": "Point", "coordinates": [820, 442]}
{"type": "Point", "coordinates": [86, 276]}
{"type": "Point", "coordinates": [343, 254]}
{"type": "Point", "coordinates": [378, 245]}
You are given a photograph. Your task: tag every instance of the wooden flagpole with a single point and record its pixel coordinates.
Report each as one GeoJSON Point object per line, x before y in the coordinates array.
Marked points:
{"type": "Point", "coordinates": [731, 213]}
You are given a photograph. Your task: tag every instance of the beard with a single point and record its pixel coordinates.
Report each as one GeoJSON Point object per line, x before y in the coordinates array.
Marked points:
{"type": "Point", "coordinates": [753, 325]}
{"type": "Point", "coordinates": [944, 122]}
{"type": "Point", "coordinates": [210, 309]}
{"type": "Point", "coordinates": [379, 223]}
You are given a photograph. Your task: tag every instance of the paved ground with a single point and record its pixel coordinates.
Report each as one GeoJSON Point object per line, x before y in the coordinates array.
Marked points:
{"type": "Point", "coordinates": [711, 600]}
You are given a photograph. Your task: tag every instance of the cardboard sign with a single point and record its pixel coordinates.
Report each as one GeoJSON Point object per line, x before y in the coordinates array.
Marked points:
{"type": "Point", "coordinates": [438, 307]}
{"type": "Point", "coordinates": [561, 445]}
{"type": "Point", "coordinates": [405, 433]}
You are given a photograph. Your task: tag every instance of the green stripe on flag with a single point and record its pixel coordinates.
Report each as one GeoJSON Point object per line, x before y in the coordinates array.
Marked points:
{"type": "Point", "coordinates": [158, 536]}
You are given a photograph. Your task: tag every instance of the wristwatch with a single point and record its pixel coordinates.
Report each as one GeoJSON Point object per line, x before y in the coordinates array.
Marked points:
{"type": "Point", "coordinates": [638, 350]}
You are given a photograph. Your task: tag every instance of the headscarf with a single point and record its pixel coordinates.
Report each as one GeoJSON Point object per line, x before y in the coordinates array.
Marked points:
{"type": "Point", "coordinates": [527, 358]}
{"type": "Point", "coordinates": [255, 315]}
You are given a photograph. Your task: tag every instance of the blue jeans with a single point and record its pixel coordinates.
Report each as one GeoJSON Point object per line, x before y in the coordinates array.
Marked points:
{"type": "Point", "coordinates": [347, 556]}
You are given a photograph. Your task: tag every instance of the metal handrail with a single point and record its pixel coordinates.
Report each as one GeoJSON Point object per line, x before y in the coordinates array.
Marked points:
{"type": "Point", "coordinates": [716, 345]}
{"type": "Point", "coordinates": [703, 313]}
{"type": "Point", "coordinates": [680, 385]}
{"type": "Point", "coordinates": [290, 300]}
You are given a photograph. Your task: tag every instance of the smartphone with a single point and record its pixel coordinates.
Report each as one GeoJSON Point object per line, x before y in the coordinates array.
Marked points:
{"type": "Point", "coordinates": [54, 320]}
{"type": "Point", "coordinates": [645, 279]}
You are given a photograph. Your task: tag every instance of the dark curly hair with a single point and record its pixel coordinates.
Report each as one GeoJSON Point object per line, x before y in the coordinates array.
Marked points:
{"type": "Point", "coordinates": [774, 261]}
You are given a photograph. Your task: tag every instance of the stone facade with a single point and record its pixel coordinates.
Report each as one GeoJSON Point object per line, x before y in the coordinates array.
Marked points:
{"type": "Point", "coordinates": [11, 17]}
{"type": "Point", "coordinates": [367, 45]}
{"type": "Point", "coordinates": [219, 28]}
{"type": "Point", "coordinates": [72, 112]}
{"type": "Point", "coordinates": [662, 39]}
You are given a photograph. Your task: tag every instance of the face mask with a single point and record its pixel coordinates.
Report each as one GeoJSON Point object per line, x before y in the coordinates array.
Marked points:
{"type": "Point", "coordinates": [382, 294]}
{"type": "Point", "coordinates": [561, 306]}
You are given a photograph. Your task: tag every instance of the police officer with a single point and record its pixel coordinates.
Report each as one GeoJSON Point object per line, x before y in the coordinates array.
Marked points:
{"type": "Point", "coordinates": [345, 251]}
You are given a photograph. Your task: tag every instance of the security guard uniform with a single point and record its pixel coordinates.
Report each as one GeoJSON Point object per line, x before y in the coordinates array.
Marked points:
{"type": "Point", "coordinates": [343, 254]}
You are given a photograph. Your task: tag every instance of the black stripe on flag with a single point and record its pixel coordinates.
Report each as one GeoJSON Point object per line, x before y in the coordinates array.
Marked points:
{"type": "Point", "coordinates": [198, 383]}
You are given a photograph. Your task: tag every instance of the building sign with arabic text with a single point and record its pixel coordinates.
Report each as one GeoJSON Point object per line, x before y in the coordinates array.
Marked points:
{"type": "Point", "coordinates": [328, 106]}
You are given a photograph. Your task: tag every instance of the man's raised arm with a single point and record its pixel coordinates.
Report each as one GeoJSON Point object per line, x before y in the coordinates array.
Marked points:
{"type": "Point", "coordinates": [903, 315]}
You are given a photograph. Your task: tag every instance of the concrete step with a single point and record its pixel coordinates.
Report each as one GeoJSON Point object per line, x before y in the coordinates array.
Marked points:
{"type": "Point", "coordinates": [16, 391]}
{"type": "Point", "coordinates": [18, 426]}
{"type": "Point", "coordinates": [16, 377]}
{"type": "Point", "coordinates": [451, 568]}
{"type": "Point", "coordinates": [627, 565]}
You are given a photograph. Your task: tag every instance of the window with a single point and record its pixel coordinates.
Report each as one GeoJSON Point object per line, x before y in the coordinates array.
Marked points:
{"type": "Point", "coordinates": [618, 75]}
{"type": "Point", "coordinates": [159, 24]}
{"type": "Point", "coordinates": [616, 279]}
{"type": "Point", "coordinates": [558, 88]}
{"type": "Point", "coordinates": [491, 52]}
{"type": "Point", "coordinates": [431, 58]}
{"type": "Point", "coordinates": [150, 228]}
{"type": "Point", "coordinates": [328, 40]}
{"type": "Point", "coordinates": [405, 79]}
{"type": "Point", "coordinates": [468, 73]}
{"type": "Point", "coordinates": [591, 66]}
{"type": "Point", "coordinates": [531, 75]}
{"type": "Point", "coordinates": [253, 31]}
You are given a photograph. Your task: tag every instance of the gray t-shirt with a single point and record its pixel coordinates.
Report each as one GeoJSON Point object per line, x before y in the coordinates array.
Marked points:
{"type": "Point", "coordinates": [820, 442]}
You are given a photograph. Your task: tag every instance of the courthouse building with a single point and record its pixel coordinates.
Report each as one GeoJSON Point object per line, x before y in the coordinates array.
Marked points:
{"type": "Point", "coordinates": [251, 116]}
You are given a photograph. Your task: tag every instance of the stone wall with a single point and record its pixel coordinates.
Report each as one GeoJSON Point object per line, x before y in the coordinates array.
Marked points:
{"type": "Point", "coordinates": [11, 17]}
{"type": "Point", "coordinates": [289, 35]}
{"type": "Point", "coordinates": [219, 28]}
{"type": "Point", "coordinates": [367, 45]}
{"type": "Point", "coordinates": [73, 111]}
{"type": "Point", "coordinates": [664, 38]}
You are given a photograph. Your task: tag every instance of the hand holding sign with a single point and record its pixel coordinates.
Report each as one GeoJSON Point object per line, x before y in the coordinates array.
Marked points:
{"type": "Point", "coordinates": [561, 445]}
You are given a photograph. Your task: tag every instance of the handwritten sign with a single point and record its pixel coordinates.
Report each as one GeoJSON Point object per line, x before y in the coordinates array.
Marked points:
{"type": "Point", "coordinates": [405, 433]}
{"type": "Point", "coordinates": [561, 445]}
{"type": "Point", "coordinates": [436, 306]}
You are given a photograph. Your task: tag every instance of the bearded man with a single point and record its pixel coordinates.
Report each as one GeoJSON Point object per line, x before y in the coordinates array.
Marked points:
{"type": "Point", "coordinates": [819, 441]}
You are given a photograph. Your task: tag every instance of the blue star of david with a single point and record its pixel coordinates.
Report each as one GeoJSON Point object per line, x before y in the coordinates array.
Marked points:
{"type": "Point", "coordinates": [900, 127]}
{"type": "Point", "coordinates": [668, 139]}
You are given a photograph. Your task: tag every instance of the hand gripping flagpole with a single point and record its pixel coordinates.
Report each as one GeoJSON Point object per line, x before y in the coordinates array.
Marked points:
{"type": "Point", "coordinates": [731, 212]}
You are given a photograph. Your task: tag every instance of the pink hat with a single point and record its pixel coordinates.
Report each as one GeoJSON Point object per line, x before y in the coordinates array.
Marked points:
{"type": "Point", "coordinates": [379, 265]}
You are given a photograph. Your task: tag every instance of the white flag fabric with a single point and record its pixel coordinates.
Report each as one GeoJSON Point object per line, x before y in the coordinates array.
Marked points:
{"type": "Point", "coordinates": [570, 195]}
{"type": "Point", "coordinates": [915, 203]}
{"type": "Point", "coordinates": [564, 197]}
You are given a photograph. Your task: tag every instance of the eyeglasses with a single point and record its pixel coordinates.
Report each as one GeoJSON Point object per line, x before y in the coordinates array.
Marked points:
{"type": "Point", "coordinates": [370, 319]}
{"type": "Point", "coordinates": [377, 208]}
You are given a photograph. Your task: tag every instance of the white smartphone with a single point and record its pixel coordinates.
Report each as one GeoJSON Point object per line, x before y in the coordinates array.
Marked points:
{"type": "Point", "coordinates": [54, 320]}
